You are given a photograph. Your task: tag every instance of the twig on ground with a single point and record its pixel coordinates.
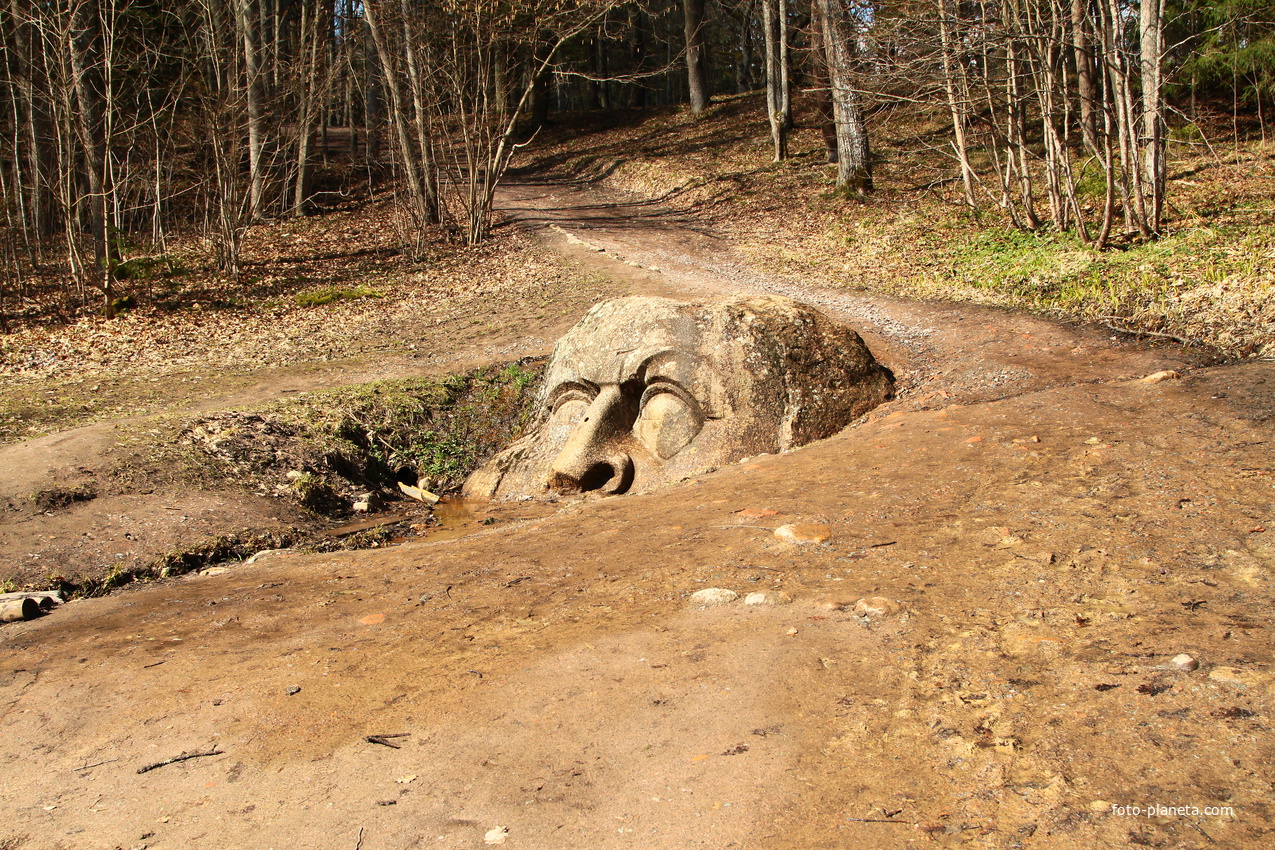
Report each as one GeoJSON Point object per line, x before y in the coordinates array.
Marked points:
{"type": "Point", "coordinates": [882, 820]}
{"type": "Point", "coordinates": [384, 740]}
{"type": "Point", "coordinates": [94, 764]}
{"type": "Point", "coordinates": [183, 757]}
{"type": "Point", "coordinates": [1137, 332]}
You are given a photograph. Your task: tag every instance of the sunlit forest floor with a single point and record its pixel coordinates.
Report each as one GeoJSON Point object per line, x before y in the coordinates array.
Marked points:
{"type": "Point", "coordinates": [1208, 282]}
{"type": "Point", "coordinates": [339, 285]}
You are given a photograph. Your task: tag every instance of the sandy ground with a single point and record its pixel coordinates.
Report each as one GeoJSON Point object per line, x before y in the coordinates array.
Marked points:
{"type": "Point", "coordinates": [1049, 532]}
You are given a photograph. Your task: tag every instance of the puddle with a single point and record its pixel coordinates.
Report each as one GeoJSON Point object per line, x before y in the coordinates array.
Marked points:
{"type": "Point", "coordinates": [456, 518]}
{"type": "Point", "coordinates": [459, 517]}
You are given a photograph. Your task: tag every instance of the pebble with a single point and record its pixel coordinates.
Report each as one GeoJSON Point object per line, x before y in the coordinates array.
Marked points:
{"type": "Point", "coordinates": [213, 571]}
{"type": "Point", "coordinates": [1157, 377]}
{"type": "Point", "coordinates": [803, 532]}
{"type": "Point", "coordinates": [876, 608]}
{"type": "Point", "coordinates": [496, 835]}
{"type": "Point", "coordinates": [293, 691]}
{"type": "Point", "coordinates": [710, 596]}
{"type": "Point", "coordinates": [767, 597]}
{"type": "Point", "coordinates": [1185, 663]}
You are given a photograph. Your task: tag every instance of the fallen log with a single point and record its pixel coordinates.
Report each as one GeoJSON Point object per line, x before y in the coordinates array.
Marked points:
{"type": "Point", "coordinates": [16, 610]}
{"type": "Point", "coordinates": [46, 599]}
{"type": "Point", "coordinates": [418, 494]}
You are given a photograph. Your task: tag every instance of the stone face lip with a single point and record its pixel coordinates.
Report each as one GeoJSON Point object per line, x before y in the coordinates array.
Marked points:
{"type": "Point", "coordinates": [803, 532]}
{"type": "Point", "coordinates": [645, 392]}
{"type": "Point", "coordinates": [710, 596]}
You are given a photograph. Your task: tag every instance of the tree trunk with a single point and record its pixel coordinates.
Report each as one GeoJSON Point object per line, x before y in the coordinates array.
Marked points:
{"type": "Point", "coordinates": [854, 169]}
{"type": "Point", "coordinates": [696, 60]}
{"type": "Point", "coordinates": [90, 125]}
{"type": "Point", "coordinates": [785, 71]}
{"type": "Point", "coordinates": [1152, 42]}
{"type": "Point", "coordinates": [774, 97]}
{"type": "Point", "coordinates": [957, 103]}
{"type": "Point", "coordinates": [252, 83]}
{"type": "Point", "coordinates": [1084, 59]}
{"type": "Point", "coordinates": [819, 81]}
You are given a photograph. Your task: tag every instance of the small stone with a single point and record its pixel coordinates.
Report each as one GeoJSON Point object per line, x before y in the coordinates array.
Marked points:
{"type": "Point", "coordinates": [294, 474]}
{"type": "Point", "coordinates": [792, 632]}
{"type": "Point", "coordinates": [710, 596]}
{"type": "Point", "coordinates": [803, 532]}
{"type": "Point", "coordinates": [1158, 377]}
{"type": "Point", "coordinates": [1185, 663]}
{"type": "Point", "coordinates": [496, 835]}
{"type": "Point", "coordinates": [293, 691]}
{"type": "Point", "coordinates": [876, 608]}
{"type": "Point", "coordinates": [425, 597]}
{"type": "Point", "coordinates": [387, 802]}
{"type": "Point", "coordinates": [213, 571]}
{"type": "Point", "coordinates": [767, 597]}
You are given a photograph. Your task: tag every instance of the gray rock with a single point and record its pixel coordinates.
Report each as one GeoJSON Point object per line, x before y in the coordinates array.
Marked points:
{"type": "Point", "coordinates": [647, 391]}
{"type": "Point", "coordinates": [710, 596]}
{"type": "Point", "coordinates": [803, 532]}
{"type": "Point", "coordinates": [876, 608]}
{"type": "Point", "coordinates": [767, 597]}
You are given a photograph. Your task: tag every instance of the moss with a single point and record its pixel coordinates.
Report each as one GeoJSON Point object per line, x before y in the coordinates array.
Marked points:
{"type": "Point", "coordinates": [332, 294]}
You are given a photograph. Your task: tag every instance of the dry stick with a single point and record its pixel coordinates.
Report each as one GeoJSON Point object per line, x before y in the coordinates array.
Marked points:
{"type": "Point", "coordinates": [183, 757]}
{"type": "Point", "coordinates": [95, 764]}
{"type": "Point", "coordinates": [1136, 332]}
{"type": "Point", "coordinates": [384, 739]}
{"type": "Point", "coordinates": [359, 842]}
{"type": "Point", "coordinates": [881, 820]}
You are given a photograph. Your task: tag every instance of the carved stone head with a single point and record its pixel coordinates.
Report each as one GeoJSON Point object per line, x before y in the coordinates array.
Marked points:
{"type": "Point", "coordinates": [649, 391]}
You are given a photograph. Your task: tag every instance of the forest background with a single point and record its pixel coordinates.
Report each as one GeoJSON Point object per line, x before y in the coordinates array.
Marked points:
{"type": "Point", "coordinates": [1102, 158]}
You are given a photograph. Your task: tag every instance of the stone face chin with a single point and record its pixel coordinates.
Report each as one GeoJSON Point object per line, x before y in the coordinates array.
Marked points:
{"type": "Point", "coordinates": [648, 391]}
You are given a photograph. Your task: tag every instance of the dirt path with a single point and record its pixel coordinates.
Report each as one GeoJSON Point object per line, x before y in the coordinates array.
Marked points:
{"type": "Point", "coordinates": [1048, 531]}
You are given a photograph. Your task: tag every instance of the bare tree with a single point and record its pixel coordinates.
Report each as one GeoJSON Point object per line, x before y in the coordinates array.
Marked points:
{"type": "Point", "coordinates": [854, 168]}
{"type": "Point", "coordinates": [696, 60]}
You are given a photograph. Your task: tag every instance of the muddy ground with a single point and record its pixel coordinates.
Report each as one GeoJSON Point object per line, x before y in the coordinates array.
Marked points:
{"type": "Point", "coordinates": [1050, 532]}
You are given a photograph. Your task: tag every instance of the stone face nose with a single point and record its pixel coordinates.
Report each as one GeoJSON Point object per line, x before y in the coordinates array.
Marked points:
{"type": "Point", "coordinates": [595, 456]}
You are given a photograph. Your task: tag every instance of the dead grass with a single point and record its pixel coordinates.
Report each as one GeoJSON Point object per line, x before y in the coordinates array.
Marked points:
{"type": "Point", "coordinates": [1210, 281]}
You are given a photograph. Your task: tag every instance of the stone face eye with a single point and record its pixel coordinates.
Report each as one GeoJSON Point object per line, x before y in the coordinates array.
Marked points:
{"type": "Point", "coordinates": [666, 423]}
{"type": "Point", "coordinates": [567, 410]}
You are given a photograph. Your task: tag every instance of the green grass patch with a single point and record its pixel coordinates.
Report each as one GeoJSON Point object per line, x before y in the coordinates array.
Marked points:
{"type": "Point", "coordinates": [333, 294]}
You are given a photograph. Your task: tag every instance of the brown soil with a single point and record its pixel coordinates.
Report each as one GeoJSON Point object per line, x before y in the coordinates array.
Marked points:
{"type": "Point", "coordinates": [1053, 530]}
